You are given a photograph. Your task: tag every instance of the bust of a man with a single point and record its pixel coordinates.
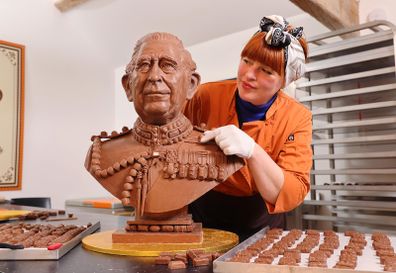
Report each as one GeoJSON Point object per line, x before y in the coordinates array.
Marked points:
{"type": "Point", "coordinates": [159, 166]}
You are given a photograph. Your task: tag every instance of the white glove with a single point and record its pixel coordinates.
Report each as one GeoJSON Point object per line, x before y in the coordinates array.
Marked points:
{"type": "Point", "coordinates": [231, 140]}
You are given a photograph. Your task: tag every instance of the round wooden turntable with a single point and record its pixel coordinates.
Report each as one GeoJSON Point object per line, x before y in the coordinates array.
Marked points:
{"type": "Point", "coordinates": [213, 240]}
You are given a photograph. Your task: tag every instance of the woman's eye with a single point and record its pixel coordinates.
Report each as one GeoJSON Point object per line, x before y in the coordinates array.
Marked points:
{"type": "Point", "coordinates": [246, 61]}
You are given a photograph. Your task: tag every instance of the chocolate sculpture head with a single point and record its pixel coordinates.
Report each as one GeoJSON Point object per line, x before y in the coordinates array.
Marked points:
{"type": "Point", "coordinates": [159, 78]}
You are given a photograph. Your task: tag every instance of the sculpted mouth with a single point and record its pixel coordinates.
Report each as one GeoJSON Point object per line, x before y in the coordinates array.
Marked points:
{"type": "Point", "coordinates": [156, 92]}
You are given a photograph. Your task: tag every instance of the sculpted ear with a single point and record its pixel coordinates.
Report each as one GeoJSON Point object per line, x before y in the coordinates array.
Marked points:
{"type": "Point", "coordinates": [195, 80]}
{"type": "Point", "coordinates": [125, 84]}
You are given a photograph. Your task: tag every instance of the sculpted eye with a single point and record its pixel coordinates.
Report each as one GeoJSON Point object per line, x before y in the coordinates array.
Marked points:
{"type": "Point", "coordinates": [168, 66]}
{"type": "Point", "coordinates": [143, 66]}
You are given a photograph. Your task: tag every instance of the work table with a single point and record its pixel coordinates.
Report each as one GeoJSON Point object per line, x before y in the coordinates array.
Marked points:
{"type": "Point", "coordinates": [80, 260]}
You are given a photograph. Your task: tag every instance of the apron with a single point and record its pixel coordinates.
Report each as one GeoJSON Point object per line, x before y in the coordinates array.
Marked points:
{"type": "Point", "coordinates": [242, 215]}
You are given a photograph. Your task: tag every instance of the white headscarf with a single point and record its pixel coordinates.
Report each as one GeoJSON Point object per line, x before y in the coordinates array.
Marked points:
{"type": "Point", "coordinates": [277, 36]}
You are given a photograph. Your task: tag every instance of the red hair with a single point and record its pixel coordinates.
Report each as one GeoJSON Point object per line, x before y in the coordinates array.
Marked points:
{"type": "Point", "coordinates": [274, 57]}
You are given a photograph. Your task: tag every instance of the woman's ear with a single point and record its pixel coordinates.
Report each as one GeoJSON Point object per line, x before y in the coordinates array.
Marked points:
{"type": "Point", "coordinates": [125, 84]}
{"type": "Point", "coordinates": [195, 80]}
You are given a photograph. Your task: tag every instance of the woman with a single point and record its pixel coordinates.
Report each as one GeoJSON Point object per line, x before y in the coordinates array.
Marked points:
{"type": "Point", "coordinates": [257, 121]}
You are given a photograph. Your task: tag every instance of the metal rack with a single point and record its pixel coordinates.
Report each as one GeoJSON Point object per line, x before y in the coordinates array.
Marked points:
{"type": "Point", "coordinates": [351, 90]}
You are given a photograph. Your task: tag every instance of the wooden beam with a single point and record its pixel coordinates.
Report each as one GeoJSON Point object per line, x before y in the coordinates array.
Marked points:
{"type": "Point", "coordinates": [334, 14]}
{"type": "Point", "coordinates": [65, 5]}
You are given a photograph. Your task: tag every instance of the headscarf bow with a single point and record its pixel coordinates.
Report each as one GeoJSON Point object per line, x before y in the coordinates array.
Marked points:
{"type": "Point", "coordinates": [277, 36]}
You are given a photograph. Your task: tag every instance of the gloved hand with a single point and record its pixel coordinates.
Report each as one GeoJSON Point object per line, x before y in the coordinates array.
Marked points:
{"type": "Point", "coordinates": [232, 140]}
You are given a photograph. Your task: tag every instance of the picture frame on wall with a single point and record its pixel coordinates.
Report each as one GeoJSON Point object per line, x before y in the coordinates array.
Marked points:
{"type": "Point", "coordinates": [12, 72]}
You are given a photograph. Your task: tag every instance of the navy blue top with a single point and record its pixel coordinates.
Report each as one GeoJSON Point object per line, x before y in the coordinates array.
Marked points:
{"type": "Point", "coordinates": [249, 112]}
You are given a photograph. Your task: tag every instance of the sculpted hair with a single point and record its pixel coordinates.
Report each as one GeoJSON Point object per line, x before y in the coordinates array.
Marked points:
{"type": "Point", "coordinates": [274, 57]}
{"type": "Point", "coordinates": [161, 36]}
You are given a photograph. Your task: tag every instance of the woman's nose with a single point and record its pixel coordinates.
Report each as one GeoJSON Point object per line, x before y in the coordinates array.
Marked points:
{"type": "Point", "coordinates": [251, 73]}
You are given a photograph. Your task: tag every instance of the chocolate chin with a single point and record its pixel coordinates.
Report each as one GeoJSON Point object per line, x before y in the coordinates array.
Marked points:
{"type": "Point", "coordinates": [1, 94]}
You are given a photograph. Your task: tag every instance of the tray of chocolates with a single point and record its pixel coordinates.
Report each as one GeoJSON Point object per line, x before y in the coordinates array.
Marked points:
{"type": "Point", "coordinates": [276, 250]}
{"type": "Point", "coordinates": [37, 241]}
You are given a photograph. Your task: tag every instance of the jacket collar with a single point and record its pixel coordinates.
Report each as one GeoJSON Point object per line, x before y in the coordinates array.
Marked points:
{"type": "Point", "coordinates": [173, 132]}
{"type": "Point", "coordinates": [232, 114]}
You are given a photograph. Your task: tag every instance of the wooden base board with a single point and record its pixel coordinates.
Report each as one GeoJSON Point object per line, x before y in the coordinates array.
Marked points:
{"type": "Point", "coordinates": [186, 220]}
{"type": "Point", "coordinates": [196, 236]}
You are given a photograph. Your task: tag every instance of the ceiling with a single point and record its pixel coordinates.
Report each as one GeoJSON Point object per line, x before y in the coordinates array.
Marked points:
{"type": "Point", "coordinates": [119, 23]}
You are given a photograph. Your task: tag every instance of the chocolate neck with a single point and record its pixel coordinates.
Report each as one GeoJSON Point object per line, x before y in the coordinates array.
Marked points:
{"type": "Point", "coordinates": [152, 135]}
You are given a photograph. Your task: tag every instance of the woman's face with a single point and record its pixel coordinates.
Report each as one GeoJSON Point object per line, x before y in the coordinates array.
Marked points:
{"type": "Point", "coordinates": [257, 83]}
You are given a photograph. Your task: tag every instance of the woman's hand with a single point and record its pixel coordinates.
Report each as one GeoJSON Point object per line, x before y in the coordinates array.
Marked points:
{"type": "Point", "coordinates": [268, 176]}
{"type": "Point", "coordinates": [231, 140]}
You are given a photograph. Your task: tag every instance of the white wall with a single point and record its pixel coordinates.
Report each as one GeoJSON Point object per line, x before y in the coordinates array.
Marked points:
{"type": "Point", "coordinates": [68, 97]}
{"type": "Point", "coordinates": [380, 10]}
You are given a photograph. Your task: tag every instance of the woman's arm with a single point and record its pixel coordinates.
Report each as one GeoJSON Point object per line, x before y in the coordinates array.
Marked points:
{"type": "Point", "coordinates": [283, 183]}
{"type": "Point", "coordinates": [266, 173]}
{"type": "Point", "coordinates": [294, 161]}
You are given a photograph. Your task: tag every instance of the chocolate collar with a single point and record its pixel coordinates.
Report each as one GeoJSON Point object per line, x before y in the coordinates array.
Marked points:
{"type": "Point", "coordinates": [167, 134]}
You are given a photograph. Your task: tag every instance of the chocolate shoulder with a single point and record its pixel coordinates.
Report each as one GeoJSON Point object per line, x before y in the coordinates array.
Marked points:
{"type": "Point", "coordinates": [109, 156]}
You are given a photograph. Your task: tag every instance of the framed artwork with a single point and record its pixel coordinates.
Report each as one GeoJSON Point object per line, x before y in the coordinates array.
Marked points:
{"type": "Point", "coordinates": [12, 65]}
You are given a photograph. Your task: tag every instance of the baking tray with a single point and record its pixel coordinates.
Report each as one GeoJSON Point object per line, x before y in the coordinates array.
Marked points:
{"type": "Point", "coordinates": [367, 263]}
{"type": "Point", "coordinates": [36, 253]}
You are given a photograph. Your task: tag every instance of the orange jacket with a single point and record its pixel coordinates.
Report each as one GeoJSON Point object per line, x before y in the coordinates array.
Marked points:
{"type": "Point", "coordinates": [285, 135]}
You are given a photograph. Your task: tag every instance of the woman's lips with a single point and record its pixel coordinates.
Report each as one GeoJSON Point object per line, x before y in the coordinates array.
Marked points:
{"type": "Point", "coordinates": [246, 85]}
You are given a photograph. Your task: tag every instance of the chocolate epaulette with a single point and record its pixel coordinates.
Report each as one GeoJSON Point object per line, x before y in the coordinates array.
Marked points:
{"type": "Point", "coordinates": [200, 128]}
{"type": "Point", "coordinates": [114, 134]}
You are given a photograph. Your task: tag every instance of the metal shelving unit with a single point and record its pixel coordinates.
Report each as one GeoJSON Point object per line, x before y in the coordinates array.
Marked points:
{"type": "Point", "coordinates": [350, 87]}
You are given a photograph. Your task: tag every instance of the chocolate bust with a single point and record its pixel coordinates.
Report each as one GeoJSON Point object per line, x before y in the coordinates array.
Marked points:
{"type": "Point", "coordinates": [159, 166]}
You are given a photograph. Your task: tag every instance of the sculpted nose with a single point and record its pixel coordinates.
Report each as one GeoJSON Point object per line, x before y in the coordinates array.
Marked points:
{"type": "Point", "coordinates": [155, 73]}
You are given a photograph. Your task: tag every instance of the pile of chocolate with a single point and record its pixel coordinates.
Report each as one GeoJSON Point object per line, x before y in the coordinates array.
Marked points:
{"type": "Point", "coordinates": [354, 248]}
{"type": "Point", "coordinates": [384, 251]}
{"type": "Point", "coordinates": [273, 245]}
{"type": "Point", "coordinates": [41, 214]}
{"type": "Point", "coordinates": [38, 235]}
{"type": "Point", "coordinates": [267, 256]}
{"type": "Point", "coordinates": [194, 257]}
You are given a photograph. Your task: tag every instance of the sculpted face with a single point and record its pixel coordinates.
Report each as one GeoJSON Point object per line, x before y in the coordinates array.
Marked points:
{"type": "Point", "coordinates": [160, 81]}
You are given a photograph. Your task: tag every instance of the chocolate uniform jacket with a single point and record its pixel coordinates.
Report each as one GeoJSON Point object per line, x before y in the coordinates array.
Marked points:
{"type": "Point", "coordinates": [285, 135]}
{"type": "Point", "coordinates": [167, 163]}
